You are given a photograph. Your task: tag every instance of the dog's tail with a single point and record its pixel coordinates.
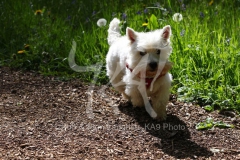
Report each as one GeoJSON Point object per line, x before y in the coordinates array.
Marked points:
{"type": "Point", "coordinates": [113, 31]}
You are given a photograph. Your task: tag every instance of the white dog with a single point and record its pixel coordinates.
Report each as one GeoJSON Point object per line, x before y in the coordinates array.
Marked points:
{"type": "Point", "coordinates": [137, 65]}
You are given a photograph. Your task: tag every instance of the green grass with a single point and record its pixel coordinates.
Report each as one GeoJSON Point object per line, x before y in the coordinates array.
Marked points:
{"type": "Point", "coordinates": [205, 43]}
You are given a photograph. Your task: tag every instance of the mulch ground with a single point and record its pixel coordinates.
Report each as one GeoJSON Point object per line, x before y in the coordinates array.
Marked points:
{"type": "Point", "coordinates": [44, 118]}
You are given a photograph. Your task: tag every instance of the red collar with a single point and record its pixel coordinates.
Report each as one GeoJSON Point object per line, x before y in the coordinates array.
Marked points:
{"type": "Point", "coordinates": [127, 66]}
{"type": "Point", "coordinates": [148, 81]}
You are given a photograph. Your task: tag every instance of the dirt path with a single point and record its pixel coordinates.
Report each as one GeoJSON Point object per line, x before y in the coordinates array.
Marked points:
{"type": "Point", "coordinates": [41, 118]}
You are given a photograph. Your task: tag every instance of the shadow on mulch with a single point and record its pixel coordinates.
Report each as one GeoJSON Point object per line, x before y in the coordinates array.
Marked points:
{"type": "Point", "coordinates": [173, 134]}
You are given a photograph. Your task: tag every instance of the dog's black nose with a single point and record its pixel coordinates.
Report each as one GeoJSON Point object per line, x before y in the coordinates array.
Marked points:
{"type": "Point", "coordinates": [153, 65]}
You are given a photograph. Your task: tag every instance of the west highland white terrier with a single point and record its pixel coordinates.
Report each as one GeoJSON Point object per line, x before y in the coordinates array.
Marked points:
{"type": "Point", "coordinates": [137, 65]}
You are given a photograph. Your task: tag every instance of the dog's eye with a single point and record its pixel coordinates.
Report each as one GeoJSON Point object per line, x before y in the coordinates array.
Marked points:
{"type": "Point", "coordinates": [158, 51]}
{"type": "Point", "coordinates": [142, 53]}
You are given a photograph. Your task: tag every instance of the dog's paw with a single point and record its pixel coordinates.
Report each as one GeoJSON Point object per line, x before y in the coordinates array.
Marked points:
{"type": "Point", "coordinates": [137, 102]}
{"type": "Point", "coordinates": [140, 105]}
{"type": "Point", "coordinates": [126, 97]}
{"type": "Point", "coordinates": [161, 117]}
{"type": "Point", "coordinates": [136, 106]}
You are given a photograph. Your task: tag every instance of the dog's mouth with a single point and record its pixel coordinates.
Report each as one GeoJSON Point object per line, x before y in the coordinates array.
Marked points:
{"type": "Point", "coordinates": [152, 73]}
{"type": "Point", "coordinates": [148, 74]}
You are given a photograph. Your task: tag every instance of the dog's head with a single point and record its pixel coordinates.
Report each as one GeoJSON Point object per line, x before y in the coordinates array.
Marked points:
{"type": "Point", "coordinates": [149, 51]}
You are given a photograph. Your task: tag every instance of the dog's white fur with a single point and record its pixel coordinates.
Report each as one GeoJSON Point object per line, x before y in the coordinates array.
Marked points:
{"type": "Point", "coordinates": [137, 50]}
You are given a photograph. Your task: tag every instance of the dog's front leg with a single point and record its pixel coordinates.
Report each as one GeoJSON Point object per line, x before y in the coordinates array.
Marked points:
{"type": "Point", "coordinates": [135, 96]}
{"type": "Point", "coordinates": [160, 101]}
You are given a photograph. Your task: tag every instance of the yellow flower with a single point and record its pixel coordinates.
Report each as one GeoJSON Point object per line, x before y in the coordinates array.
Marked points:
{"type": "Point", "coordinates": [38, 12]}
{"type": "Point", "coordinates": [144, 24]}
{"type": "Point", "coordinates": [21, 52]}
{"type": "Point", "coordinates": [26, 46]}
{"type": "Point", "coordinates": [49, 13]}
{"type": "Point", "coordinates": [211, 2]}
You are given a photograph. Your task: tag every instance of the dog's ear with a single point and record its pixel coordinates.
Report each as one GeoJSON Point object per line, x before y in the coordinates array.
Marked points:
{"type": "Point", "coordinates": [131, 34]}
{"type": "Point", "coordinates": [166, 33]}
